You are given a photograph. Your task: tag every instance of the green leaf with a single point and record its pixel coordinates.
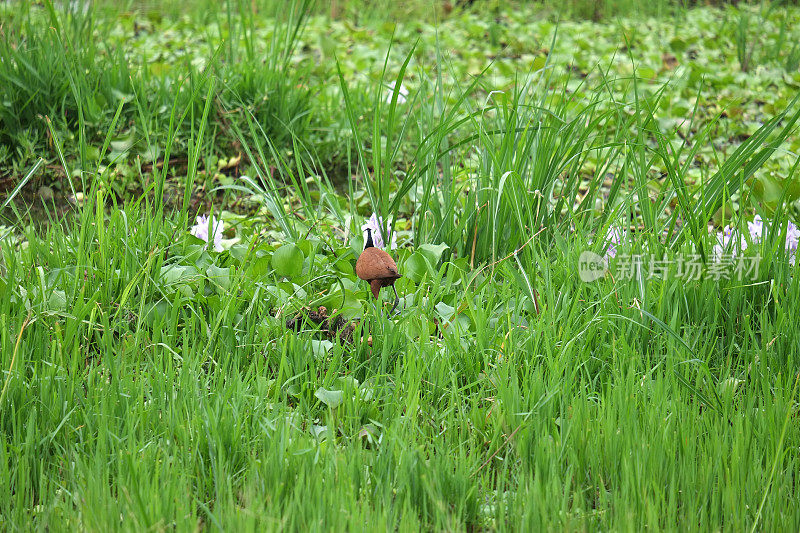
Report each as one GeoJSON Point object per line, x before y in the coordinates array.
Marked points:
{"type": "Point", "coordinates": [768, 190]}
{"type": "Point", "coordinates": [259, 266]}
{"type": "Point", "coordinates": [678, 45]}
{"type": "Point", "coordinates": [445, 311]}
{"type": "Point", "coordinates": [305, 246]}
{"type": "Point", "coordinates": [123, 143]}
{"type": "Point", "coordinates": [278, 294]}
{"type": "Point", "coordinates": [57, 301]}
{"type": "Point", "coordinates": [416, 267]}
{"type": "Point", "coordinates": [433, 252]}
{"type": "Point", "coordinates": [155, 313]}
{"type": "Point", "coordinates": [92, 153]}
{"type": "Point", "coordinates": [288, 261]}
{"type": "Point", "coordinates": [219, 276]}
{"type": "Point", "coordinates": [239, 252]}
{"type": "Point", "coordinates": [179, 278]}
{"type": "Point", "coordinates": [320, 348]}
{"type": "Point", "coordinates": [331, 398]}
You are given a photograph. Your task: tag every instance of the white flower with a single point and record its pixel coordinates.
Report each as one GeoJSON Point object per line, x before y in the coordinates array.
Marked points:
{"type": "Point", "coordinates": [200, 230]}
{"type": "Point", "coordinates": [402, 94]}
{"type": "Point", "coordinates": [375, 223]}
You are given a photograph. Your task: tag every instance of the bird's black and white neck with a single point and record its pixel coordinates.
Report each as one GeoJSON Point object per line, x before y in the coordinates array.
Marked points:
{"type": "Point", "coordinates": [369, 243]}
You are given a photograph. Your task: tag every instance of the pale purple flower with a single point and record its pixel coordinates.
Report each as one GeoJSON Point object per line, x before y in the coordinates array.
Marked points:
{"type": "Point", "coordinates": [792, 237]}
{"type": "Point", "coordinates": [375, 223]}
{"type": "Point", "coordinates": [200, 230]}
{"type": "Point", "coordinates": [756, 229]}
{"type": "Point", "coordinates": [724, 239]}
{"type": "Point", "coordinates": [615, 237]}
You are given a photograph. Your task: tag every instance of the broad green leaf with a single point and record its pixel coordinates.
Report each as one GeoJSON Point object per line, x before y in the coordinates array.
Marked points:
{"type": "Point", "coordinates": [220, 276]}
{"type": "Point", "coordinates": [331, 398]}
{"type": "Point", "coordinates": [416, 267]}
{"type": "Point", "coordinates": [445, 311]}
{"type": "Point", "coordinates": [320, 348]}
{"type": "Point", "coordinates": [57, 301]}
{"type": "Point", "coordinates": [433, 252]}
{"type": "Point", "coordinates": [179, 278]}
{"type": "Point", "coordinates": [288, 261]}
{"type": "Point", "coordinates": [259, 266]}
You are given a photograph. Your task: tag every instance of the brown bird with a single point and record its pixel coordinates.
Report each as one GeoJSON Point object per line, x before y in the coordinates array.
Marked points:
{"type": "Point", "coordinates": [378, 268]}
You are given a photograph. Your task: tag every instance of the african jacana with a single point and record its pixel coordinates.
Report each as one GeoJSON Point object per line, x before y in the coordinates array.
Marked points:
{"type": "Point", "coordinates": [378, 268]}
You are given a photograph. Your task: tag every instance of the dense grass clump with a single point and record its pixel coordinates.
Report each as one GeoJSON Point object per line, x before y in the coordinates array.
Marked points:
{"type": "Point", "coordinates": [184, 343]}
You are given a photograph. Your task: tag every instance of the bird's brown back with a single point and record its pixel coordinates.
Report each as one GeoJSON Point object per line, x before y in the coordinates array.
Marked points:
{"type": "Point", "coordinates": [375, 264]}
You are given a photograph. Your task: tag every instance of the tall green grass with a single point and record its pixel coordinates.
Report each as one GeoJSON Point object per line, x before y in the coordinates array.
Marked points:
{"type": "Point", "coordinates": [132, 404]}
{"type": "Point", "coordinates": [53, 66]}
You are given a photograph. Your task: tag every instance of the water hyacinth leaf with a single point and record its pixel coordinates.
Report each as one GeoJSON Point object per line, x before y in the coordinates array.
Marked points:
{"type": "Point", "coordinates": [772, 190]}
{"type": "Point", "coordinates": [416, 267]}
{"type": "Point", "coordinates": [265, 386]}
{"type": "Point", "coordinates": [57, 301]}
{"type": "Point", "coordinates": [433, 252]}
{"type": "Point", "coordinates": [357, 244]}
{"type": "Point", "coordinates": [320, 348]}
{"type": "Point", "coordinates": [156, 312]}
{"type": "Point", "coordinates": [219, 276]}
{"type": "Point", "coordinates": [421, 327]}
{"type": "Point", "coordinates": [768, 190]}
{"type": "Point", "coordinates": [306, 246]}
{"type": "Point", "coordinates": [179, 278]}
{"type": "Point", "coordinates": [370, 433]}
{"type": "Point", "coordinates": [464, 323]}
{"type": "Point", "coordinates": [293, 289]}
{"type": "Point", "coordinates": [92, 153]}
{"type": "Point", "coordinates": [332, 299]}
{"type": "Point", "coordinates": [347, 381]}
{"type": "Point", "coordinates": [445, 311]}
{"type": "Point", "coordinates": [368, 390]}
{"type": "Point", "coordinates": [238, 251]}
{"type": "Point", "coordinates": [203, 261]}
{"type": "Point", "coordinates": [195, 248]}
{"type": "Point", "coordinates": [319, 432]}
{"type": "Point", "coordinates": [729, 386]}
{"type": "Point", "coordinates": [23, 293]}
{"type": "Point", "coordinates": [331, 398]}
{"type": "Point", "coordinates": [259, 266]}
{"type": "Point", "coordinates": [278, 295]}
{"type": "Point", "coordinates": [345, 266]}
{"type": "Point", "coordinates": [150, 153]}
{"type": "Point", "coordinates": [288, 261]}
{"type": "Point", "coordinates": [123, 143]}
{"type": "Point", "coordinates": [352, 306]}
